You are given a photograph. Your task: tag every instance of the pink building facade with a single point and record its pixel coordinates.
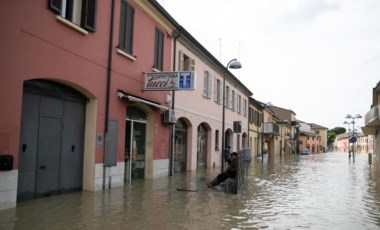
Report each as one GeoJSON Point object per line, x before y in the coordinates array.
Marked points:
{"type": "Point", "coordinates": [74, 115]}
{"type": "Point", "coordinates": [198, 137]}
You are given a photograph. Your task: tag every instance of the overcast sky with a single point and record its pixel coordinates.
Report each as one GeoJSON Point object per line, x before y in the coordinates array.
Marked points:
{"type": "Point", "coordinates": [319, 58]}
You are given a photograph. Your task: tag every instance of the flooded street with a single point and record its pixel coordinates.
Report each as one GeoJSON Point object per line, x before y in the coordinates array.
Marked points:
{"type": "Point", "coordinates": [321, 191]}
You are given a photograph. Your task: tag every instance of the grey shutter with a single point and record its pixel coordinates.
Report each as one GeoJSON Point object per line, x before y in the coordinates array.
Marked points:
{"type": "Point", "coordinates": [129, 30]}
{"type": "Point", "coordinates": [89, 14]}
{"type": "Point", "coordinates": [55, 5]}
{"type": "Point", "coordinates": [161, 50]}
{"type": "Point", "coordinates": [122, 30]}
{"type": "Point", "coordinates": [156, 40]}
{"type": "Point", "coordinates": [158, 49]}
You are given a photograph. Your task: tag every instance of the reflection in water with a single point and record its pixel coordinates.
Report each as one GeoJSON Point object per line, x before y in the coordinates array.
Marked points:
{"type": "Point", "coordinates": [309, 192]}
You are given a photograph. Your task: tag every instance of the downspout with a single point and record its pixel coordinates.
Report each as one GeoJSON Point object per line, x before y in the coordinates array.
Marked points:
{"type": "Point", "coordinates": [176, 34]}
{"type": "Point", "coordinates": [109, 74]}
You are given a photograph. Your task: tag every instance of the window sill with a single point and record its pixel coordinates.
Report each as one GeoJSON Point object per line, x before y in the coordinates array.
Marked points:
{"type": "Point", "coordinates": [155, 70]}
{"type": "Point", "coordinates": [204, 96]}
{"type": "Point", "coordinates": [124, 54]}
{"type": "Point", "coordinates": [71, 25]}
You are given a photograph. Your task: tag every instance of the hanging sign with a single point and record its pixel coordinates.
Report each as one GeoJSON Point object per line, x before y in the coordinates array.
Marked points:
{"type": "Point", "coordinates": [186, 80]}
{"type": "Point", "coordinates": [164, 81]}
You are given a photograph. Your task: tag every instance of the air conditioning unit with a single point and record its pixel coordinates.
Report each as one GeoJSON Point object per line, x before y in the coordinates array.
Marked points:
{"type": "Point", "coordinates": [169, 116]}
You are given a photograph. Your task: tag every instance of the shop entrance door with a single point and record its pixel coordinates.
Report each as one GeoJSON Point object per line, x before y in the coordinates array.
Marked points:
{"type": "Point", "coordinates": [202, 146]}
{"type": "Point", "coordinates": [135, 137]}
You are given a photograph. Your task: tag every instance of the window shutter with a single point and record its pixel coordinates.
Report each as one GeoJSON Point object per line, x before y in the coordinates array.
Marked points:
{"type": "Point", "coordinates": [233, 100]}
{"type": "Point", "coordinates": [230, 99]}
{"type": "Point", "coordinates": [123, 27]}
{"type": "Point", "coordinates": [192, 67]}
{"type": "Point", "coordinates": [55, 5]}
{"type": "Point", "coordinates": [221, 93]}
{"type": "Point", "coordinates": [226, 96]}
{"type": "Point", "coordinates": [205, 83]}
{"type": "Point", "coordinates": [161, 50]}
{"type": "Point", "coordinates": [155, 61]}
{"type": "Point", "coordinates": [130, 15]}
{"type": "Point", "coordinates": [216, 90]}
{"type": "Point", "coordinates": [180, 60]}
{"type": "Point", "coordinates": [209, 86]}
{"type": "Point", "coordinates": [158, 49]}
{"type": "Point", "coordinates": [89, 15]}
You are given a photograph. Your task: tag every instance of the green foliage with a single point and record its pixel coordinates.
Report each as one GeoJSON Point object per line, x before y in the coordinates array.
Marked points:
{"type": "Point", "coordinates": [332, 133]}
{"type": "Point", "coordinates": [337, 130]}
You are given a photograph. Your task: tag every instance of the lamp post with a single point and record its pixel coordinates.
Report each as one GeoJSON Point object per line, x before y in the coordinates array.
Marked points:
{"type": "Point", "coordinates": [298, 138]}
{"type": "Point", "coordinates": [349, 116]}
{"type": "Point", "coordinates": [233, 64]}
{"type": "Point", "coordinates": [348, 131]}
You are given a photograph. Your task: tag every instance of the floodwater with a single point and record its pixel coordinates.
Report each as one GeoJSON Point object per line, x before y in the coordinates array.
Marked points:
{"type": "Point", "coordinates": [319, 191]}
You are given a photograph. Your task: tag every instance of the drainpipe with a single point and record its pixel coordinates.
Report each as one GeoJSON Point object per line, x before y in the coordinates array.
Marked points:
{"type": "Point", "coordinates": [176, 34]}
{"type": "Point", "coordinates": [109, 73]}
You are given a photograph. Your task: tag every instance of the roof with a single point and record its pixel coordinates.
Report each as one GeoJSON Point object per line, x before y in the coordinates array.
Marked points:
{"type": "Point", "coordinates": [315, 126]}
{"type": "Point", "coordinates": [256, 103]}
{"type": "Point", "coordinates": [281, 113]}
{"type": "Point", "coordinates": [279, 109]}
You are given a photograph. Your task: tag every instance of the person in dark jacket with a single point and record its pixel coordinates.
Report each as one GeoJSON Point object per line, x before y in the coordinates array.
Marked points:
{"type": "Point", "coordinates": [229, 173]}
{"type": "Point", "coordinates": [227, 153]}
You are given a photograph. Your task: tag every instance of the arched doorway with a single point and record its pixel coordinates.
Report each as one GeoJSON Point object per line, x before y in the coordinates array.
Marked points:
{"type": "Point", "coordinates": [135, 140]}
{"type": "Point", "coordinates": [244, 141]}
{"type": "Point", "coordinates": [228, 138]}
{"type": "Point", "coordinates": [180, 153]}
{"type": "Point", "coordinates": [51, 140]}
{"type": "Point", "coordinates": [202, 146]}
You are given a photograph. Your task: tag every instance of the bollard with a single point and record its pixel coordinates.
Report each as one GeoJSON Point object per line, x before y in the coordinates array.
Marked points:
{"type": "Point", "coordinates": [369, 158]}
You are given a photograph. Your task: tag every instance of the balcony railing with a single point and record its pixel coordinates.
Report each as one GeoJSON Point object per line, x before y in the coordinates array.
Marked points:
{"type": "Point", "coordinates": [271, 128]}
{"type": "Point", "coordinates": [372, 117]}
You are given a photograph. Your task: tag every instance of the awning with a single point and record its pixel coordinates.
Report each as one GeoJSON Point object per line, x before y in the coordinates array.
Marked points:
{"type": "Point", "coordinates": [122, 94]}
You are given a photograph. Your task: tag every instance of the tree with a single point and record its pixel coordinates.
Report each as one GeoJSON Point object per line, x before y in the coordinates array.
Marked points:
{"type": "Point", "coordinates": [332, 133]}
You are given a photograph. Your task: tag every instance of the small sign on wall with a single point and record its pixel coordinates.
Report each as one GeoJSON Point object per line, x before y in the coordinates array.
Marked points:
{"type": "Point", "coordinates": [99, 140]}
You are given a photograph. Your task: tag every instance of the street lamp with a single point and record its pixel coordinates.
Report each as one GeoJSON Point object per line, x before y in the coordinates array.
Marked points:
{"type": "Point", "coordinates": [349, 116]}
{"type": "Point", "coordinates": [233, 64]}
{"type": "Point", "coordinates": [348, 131]}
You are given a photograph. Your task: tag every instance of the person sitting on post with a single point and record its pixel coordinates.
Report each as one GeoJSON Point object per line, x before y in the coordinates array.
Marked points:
{"type": "Point", "coordinates": [229, 173]}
